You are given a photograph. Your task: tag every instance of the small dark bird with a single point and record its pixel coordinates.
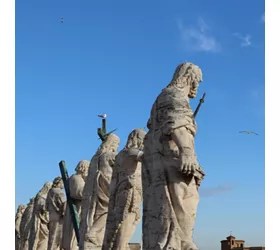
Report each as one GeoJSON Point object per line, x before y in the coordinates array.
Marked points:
{"type": "Point", "coordinates": [248, 132]}
{"type": "Point", "coordinates": [61, 20]}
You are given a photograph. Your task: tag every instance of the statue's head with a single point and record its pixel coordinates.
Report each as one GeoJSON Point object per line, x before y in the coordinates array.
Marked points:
{"type": "Point", "coordinates": [82, 167]}
{"type": "Point", "coordinates": [187, 76]}
{"type": "Point", "coordinates": [111, 142]}
{"type": "Point", "coordinates": [136, 138]}
{"type": "Point", "coordinates": [45, 189]}
{"type": "Point", "coordinates": [21, 208]}
{"type": "Point", "coordinates": [57, 182]}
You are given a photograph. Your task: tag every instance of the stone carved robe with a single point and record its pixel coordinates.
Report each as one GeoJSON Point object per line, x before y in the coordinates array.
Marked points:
{"type": "Point", "coordinates": [39, 233]}
{"type": "Point", "coordinates": [125, 200]}
{"type": "Point", "coordinates": [76, 186]}
{"type": "Point", "coordinates": [170, 197]}
{"type": "Point", "coordinates": [25, 225]}
{"type": "Point", "coordinates": [55, 205]}
{"type": "Point", "coordinates": [96, 199]}
{"type": "Point", "coordinates": [19, 215]}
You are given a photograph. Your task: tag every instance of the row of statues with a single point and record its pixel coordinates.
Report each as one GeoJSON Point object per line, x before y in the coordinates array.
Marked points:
{"type": "Point", "coordinates": [39, 225]}
{"type": "Point", "coordinates": [158, 167]}
{"type": "Point", "coordinates": [45, 223]}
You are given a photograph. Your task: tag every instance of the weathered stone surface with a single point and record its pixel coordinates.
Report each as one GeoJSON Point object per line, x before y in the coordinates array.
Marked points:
{"type": "Point", "coordinates": [55, 205]}
{"type": "Point", "coordinates": [39, 231]}
{"type": "Point", "coordinates": [20, 211]}
{"type": "Point", "coordinates": [25, 225]}
{"type": "Point", "coordinates": [76, 186]}
{"type": "Point", "coordinates": [96, 194]}
{"type": "Point", "coordinates": [125, 194]}
{"type": "Point", "coordinates": [134, 246]}
{"type": "Point", "coordinates": [171, 174]}
{"type": "Point", "coordinates": [89, 246]}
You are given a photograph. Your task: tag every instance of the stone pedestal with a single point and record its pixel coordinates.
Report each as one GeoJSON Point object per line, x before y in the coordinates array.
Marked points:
{"type": "Point", "coordinates": [90, 246]}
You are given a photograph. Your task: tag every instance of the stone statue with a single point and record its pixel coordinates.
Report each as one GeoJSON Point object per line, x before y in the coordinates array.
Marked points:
{"type": "Point", "coordinates": [55, 204]}
{"type": "Point", "coordinates": [20, 211]}
{"type": "Point", "coordinates": [171, 174]}
{"type": "Point", "coordinates": [96, 194]}
{"type": "Point", "coordinates": [125, 194]}
{"type": "Point", "coordinates": [25, 225]}
{"type": "Point", "coordinates": [76, 186]}
{"type": "Point", "coordinates": [39, 232]}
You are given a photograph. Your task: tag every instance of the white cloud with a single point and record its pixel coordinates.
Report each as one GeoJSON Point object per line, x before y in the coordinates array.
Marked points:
{"type": "Point", "coordinates": [198, 38]}
{"type": "Point", "coordinates": [245, 40]}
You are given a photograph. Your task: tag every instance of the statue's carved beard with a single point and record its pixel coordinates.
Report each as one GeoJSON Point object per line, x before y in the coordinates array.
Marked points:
{"type": "Point", "coordinates": [192, 93]}
{"type": "Point", "coordinates": [193, 90]}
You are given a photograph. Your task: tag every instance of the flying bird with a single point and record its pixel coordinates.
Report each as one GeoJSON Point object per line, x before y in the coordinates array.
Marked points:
{"type": "Point", "coordinates": [61, 20]}
{"type": "Point", "coordinates": [103, 116]}
{"type": "Point", "coordinates": [248, 132]}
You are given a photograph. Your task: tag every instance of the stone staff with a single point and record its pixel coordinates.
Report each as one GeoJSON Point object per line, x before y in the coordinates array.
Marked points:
{"type": "Point", "coordinates": [198, 106]}
{"type": "Point", "coordinates": [72, 207]}
{"type": "Point", "coordinates": [102, 131]}
{"type": "Point", "coordinates": [199, 172]}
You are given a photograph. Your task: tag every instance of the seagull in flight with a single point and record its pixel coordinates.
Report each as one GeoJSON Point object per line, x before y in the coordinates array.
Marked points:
{"type": "Point", "coordinates": [248, 132]}
{"type": "Point", "coordinates": [103, 116]}
{"type": "Point", "coordinates": [61, 20]}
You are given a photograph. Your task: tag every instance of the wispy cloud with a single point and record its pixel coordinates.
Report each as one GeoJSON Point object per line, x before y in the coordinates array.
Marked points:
{"type": "Point", "coordinates": [213, 191]}
{"type": "Point", "coordinates": [256, 93]}
{"type": "Point", "coordinates": [263, 18]}
{"type": "Point", "coordinates": [255, 104]}
{"type": "Point", "coordinates": [198, 38]}
{"type": "Point", "coordinates": [245, 40]}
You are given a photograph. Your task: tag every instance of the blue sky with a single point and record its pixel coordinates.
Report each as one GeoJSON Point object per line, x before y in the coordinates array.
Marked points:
{"type": "Point", "coordinates": [115, 57]}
